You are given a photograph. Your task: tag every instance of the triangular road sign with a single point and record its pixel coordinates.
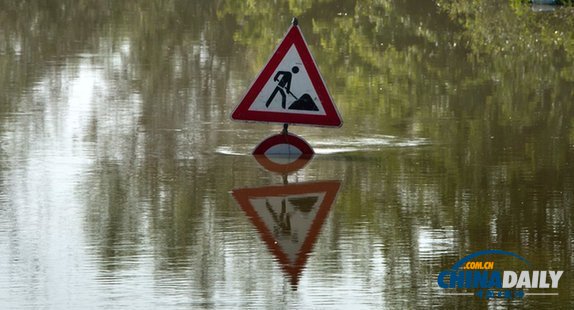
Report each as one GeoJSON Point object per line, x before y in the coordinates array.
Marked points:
{"type": "Point", "coordinates": [289, 89]}
{"type": "Point", "coordinates": [289, 218]}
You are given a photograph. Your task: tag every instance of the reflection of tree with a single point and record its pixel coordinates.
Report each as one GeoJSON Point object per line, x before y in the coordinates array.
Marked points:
{"type": "Point", "coordinates": [488, 83]}
{"type": "Point", "coordinates": [152, 72]}
{"type": "Point", "coordinates": [494, 84]}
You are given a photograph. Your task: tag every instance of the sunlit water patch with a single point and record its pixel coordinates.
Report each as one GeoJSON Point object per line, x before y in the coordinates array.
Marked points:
{"type": "Point", "coordinates": [339, 145]}
{"type": "Point", "coordinates": [233, 150]}
{"type": "Point", "coordinates": [364, 144]}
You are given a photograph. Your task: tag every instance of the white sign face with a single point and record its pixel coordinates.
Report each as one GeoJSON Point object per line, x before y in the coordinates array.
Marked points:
{"type": "Point", "coordinates": [289, 89]}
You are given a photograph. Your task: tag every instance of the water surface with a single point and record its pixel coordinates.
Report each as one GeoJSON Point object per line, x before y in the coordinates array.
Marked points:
{"type": "Point", "coordinates": [119, 162]}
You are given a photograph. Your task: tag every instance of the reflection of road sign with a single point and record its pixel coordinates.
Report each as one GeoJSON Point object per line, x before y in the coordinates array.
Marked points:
{"type": "Point", "coordinates": [289, 218]}
{"type": "Point", "coordinates": [286, 144]}
{"type": "Point", "coordinates": [289, 89]}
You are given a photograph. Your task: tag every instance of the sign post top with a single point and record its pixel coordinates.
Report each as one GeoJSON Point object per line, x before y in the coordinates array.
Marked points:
{"type": "Point", "coordinates": [289, 89]}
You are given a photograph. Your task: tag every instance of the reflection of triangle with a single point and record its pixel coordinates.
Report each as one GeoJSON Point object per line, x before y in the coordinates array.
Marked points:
{"type": "Point", "coordinates": [289, 218]}
{"type": "Point", "coordinates": [314, 107]}
{"type": "Point", "coordinates": [287, 223]}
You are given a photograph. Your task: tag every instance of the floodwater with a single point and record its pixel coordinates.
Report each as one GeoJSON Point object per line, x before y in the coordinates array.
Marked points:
{"type": "Point", "coordinates": [124, 183]}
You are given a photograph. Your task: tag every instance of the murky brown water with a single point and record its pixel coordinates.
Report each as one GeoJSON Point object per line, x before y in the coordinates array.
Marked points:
{"type": "Point", "coordinates": [124, 184]}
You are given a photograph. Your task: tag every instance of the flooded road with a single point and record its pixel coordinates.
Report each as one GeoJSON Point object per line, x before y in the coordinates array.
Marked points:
{"type": "Point", "coordinates": [124, 184]}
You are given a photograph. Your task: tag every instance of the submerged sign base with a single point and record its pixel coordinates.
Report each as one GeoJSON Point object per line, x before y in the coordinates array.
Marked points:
{"type": "Point", "coordinates": [284, 146]}
{"type": "Point", "coordinates": [282, 164]}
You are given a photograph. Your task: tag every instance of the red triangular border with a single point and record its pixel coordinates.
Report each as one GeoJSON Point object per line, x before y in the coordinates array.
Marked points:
{"type": "Point", "coordinates": [330, 188]}
{"type": "Point", "coordinates": [331, 117]}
